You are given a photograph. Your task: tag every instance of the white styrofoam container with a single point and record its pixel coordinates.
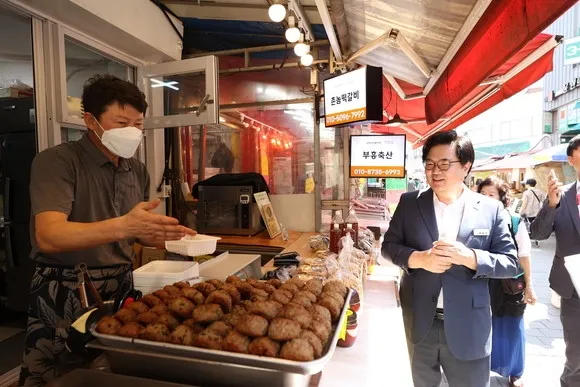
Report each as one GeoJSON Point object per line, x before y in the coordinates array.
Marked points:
{"type": "Point", "coordinates": [193, 246]}
{"type": "Point", "coordinates": [226, 264]}
{"type": "Point", "coordinates": [156, 274]}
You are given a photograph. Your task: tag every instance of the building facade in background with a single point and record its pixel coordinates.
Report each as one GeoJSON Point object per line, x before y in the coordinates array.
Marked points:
{"type": "Point", "coordinates": [562, 85]}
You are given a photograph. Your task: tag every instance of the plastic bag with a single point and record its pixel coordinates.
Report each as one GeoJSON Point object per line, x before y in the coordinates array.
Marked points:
{"type": "Point", "coordinates": [319, 243]}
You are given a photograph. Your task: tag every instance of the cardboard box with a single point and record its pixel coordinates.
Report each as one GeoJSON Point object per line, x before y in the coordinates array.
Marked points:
{"type": "Point", "coordinates": [152, 254]}
{"type": "Point", "coordinates": [11, 92]}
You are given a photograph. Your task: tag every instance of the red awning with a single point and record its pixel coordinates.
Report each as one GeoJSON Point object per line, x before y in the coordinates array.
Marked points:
{"type": "Point", "coordinates": [499, 36]}
{"type": "Point", "coordinates": [521, 70]}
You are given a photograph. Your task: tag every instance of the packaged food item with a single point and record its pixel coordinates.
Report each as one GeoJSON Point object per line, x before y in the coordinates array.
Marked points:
{"type": "Point", "coordinates": [349, 331]}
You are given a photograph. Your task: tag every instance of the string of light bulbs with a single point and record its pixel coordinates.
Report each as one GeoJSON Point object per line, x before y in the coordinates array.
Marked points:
{"type": "Point", "coordinates": [282, 140]}
{"type": "Point", "coordinates": [294, 33]}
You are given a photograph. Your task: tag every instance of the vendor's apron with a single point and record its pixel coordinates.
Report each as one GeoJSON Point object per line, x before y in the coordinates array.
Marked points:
{"type": "Point", "coordinates": [54, 304]}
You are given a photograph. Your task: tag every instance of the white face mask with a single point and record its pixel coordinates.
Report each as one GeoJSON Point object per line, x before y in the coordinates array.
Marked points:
{"type": "Point", "coordinates": [122, 142]}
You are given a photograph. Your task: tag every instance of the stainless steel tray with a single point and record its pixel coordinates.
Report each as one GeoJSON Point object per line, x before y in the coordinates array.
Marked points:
{"type": "Point", "coordinates": [163, 357]}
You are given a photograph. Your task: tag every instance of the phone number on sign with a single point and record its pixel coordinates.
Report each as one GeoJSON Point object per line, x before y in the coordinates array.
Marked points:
{"type": "Point", "coordinates": [356, 115]}
{"type": "Point", "coordinates": [375, 172]}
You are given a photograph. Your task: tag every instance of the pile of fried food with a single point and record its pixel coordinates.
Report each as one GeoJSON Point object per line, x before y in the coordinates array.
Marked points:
{"type": "Point", "coordinates": [291, 320]}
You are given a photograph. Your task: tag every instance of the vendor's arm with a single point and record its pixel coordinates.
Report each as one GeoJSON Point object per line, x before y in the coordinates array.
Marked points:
{"type": "Point", "coordinates": [52, 188]}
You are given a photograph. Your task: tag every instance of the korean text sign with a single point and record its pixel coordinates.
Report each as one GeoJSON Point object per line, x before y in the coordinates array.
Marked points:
{"type": "Point", "coordinates": [377, 156]}
{"type": "Point", "coordinates": [353, 97]}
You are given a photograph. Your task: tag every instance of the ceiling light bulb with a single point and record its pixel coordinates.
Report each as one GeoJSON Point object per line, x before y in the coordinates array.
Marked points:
{"type": "Point", "coordinates": [306, 60]}
{"type": "Point", "coordinates": [292, 34]}
{"type": "Point", "coordinates": [277, 12]}
{"type": "Point", "coordinates": [301, 49]}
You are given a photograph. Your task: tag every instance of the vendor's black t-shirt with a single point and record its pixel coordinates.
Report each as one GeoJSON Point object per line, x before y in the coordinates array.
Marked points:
{"type": "Point", "coordinates": [77, 179]}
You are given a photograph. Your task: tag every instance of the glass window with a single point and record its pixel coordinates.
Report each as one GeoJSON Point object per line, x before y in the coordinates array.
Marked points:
{"type": "Point", "coordinates": [505, 130]}
{"type": "Point", "coordinates": [83, 63]}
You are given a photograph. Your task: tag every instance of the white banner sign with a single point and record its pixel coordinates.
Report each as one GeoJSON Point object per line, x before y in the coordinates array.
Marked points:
{"type": "Point", "coordinates": [377, 156]}
{"type": "Point", "coordinates": [345, 98]}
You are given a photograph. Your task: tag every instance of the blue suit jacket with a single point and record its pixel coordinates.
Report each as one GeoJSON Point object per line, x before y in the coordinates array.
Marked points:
{"type": "Point", "coordinates": [466, 293]}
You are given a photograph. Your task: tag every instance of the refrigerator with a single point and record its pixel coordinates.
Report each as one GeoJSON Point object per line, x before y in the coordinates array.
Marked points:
{"type": "Point", "coordinates": [17, 150]}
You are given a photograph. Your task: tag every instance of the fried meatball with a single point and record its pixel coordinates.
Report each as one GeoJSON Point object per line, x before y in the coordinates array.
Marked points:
{"type": "Point", "coordinates": [275, 282]}
{"type": "Point", "coordinates": [233, 292]}
{"type": "Point", "coordinates": [131, 330]}
{"type": "Point", "coordinates": [318, 319]}
{"type": "Point", "coordinates": [319, 310]}
{"type": "Point", "coordinates": [307, 294]}
{"type": "Point", "coordinates": [296, 282]}
{"type": "Point", "coordinates": [182, 335]}
{"type": "Point", "coordinates": [245, 289]}
{"type": "Point", "coordinates": [281, 297]}
{"type": "Point", "coordinates": [252, 325]}
{"type": "Point", "coordinates": [205, 288]}
{"type": "Point", "coordinates": [108, 325]}
{"type": "Point", "coordinates": [161, 294]}
{"type": "Point", "coordinates": [302, 300]}
{"type": "Point", "coordinates": [236, 342]}
{"type": "Point", "coordinates": [298, 350]}
{"type": "Point", "coordinates": [337, 287]}
{"type": "Point", "coordinates": [333, 307]}
{"type": "Point", "coordinates": [208, 313]}
{"type": "Point", "coordinates": [220, 327]}
{"type": "Point", "coordinates": [216, 282]}
{"type": "Point", "coordinates": [172, 290]}
{"type": "Point", "coordinates": [208, 339]}
{"type": "Point", "coordinates": [156, 332]}
{"type": "Point", "coordinates": [194, 295]}
{"type": "Point", "coordinates": [182, 307]}
{"type": "Point", "coordinates": [292, 288]}
{"type": "Point", "coordinates": [233, 318]}
{"type": "Point", "coordinates": [138, 307]}
{"type": "Point", "coordinates": [232, 278]}
{"type": "Point", "coordinates": [159, 309]}
{"type": "Point", "coordinates": [283, 329]}
{"type": "Point", "coordinates": [266, 309]}
{"type": "Point", "coordinates": [195, 327]}
{"type": "Point", "coordinates": [126, 316]}
{"type": "Point", "coordinates": [314, 341]}
{"type": "Point", "coordinates": [147, 318]}
{"type": "Point", "coordinates": [168, 320]}
{"type": "Point", "coordinates": [265, 287]}
{"type": "Point", "coordinates": [151, 300]}
{"type": "Point", "coordinates": [297, 313]}
{"type": "Point", "coordinates": [335, 296]}
{"type": "Point", "coordinates": [252, 282]}
{"type": "Point", "coordinates": [181, 285]}
{"type": "Point", "coordinates": [264, 346]}
{"type": "Point", "coordinates": [320, 329]}
{"type": "Point", "coordinates": [314, 286]}
{"type": "Point", "coordinates": [222, 298]}
{"type": "Point", "coordinates": [259, 295]}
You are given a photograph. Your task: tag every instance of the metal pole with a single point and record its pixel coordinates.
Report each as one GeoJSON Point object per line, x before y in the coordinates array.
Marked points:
{"type": "Point", "coordinates": [274, 47]}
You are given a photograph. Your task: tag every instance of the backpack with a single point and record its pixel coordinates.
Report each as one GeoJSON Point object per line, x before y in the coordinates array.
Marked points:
{"type": "Point", "coordinates": [514, 226]}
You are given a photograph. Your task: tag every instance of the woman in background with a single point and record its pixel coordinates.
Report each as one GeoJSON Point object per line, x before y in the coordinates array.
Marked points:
{"type": "Point", "coordinates": [508, 340]}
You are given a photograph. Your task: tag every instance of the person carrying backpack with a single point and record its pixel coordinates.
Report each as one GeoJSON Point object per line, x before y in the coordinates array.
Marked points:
{"type": "Point", "coordinates": [532, 200]}
{"type": "Point", "coordinates": [509, 297]}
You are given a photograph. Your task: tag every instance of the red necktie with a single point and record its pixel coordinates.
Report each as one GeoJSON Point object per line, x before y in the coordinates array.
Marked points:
{"type": "Point", "coordinates": [578, 199]}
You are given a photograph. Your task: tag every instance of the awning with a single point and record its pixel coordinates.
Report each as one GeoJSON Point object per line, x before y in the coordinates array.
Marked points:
{"type": "Point", "coordinates": [526, 67]}
{"type": "Point", "coordinates": [556, 153]}
{"type": "Point", "coordinates": [520, 161]}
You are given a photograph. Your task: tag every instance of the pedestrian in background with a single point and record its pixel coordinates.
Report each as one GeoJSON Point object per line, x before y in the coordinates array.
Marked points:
{"type": "Point", "coordinates": [532, 200]}
{"type": "Point", "coordinates": [560, 214]}
{"type": "Point", "coordinates": [508, 303]}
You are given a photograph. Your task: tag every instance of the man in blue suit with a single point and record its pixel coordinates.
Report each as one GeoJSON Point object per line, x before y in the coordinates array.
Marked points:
{"type": "Point", "coordinates": [449, 241]}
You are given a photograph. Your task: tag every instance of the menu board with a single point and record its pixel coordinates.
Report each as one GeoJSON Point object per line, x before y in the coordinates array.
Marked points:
{"type": "Point", "coordinates": [377, 156]}
{"type": "Point", "coordinates": [267, 212]}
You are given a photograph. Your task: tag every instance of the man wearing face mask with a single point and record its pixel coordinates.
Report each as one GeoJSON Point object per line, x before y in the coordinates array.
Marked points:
{"type": "Point", "coordinates": [89, 205]}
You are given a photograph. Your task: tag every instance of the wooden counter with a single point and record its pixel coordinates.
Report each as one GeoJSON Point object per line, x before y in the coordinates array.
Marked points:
{"type": "Point", "coordinates": [261, 239]}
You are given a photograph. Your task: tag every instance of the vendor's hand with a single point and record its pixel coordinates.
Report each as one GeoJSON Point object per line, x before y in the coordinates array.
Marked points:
{"type": "Point", "coordinates": [428, 261]}
{"type": "Point", "coordinates": [455, 253]}
{"type": "Point", "coordinates": [530, 295]}
{"type": "Point", "coordinates": [554, 192]}
{"type": "Point", "coordinates": [142, 224]}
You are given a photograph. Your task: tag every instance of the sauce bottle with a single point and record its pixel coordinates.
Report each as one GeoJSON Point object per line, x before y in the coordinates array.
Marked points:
{"type": "Point", "coordinates": [337, 220]}
{"type": "Point", "coordinates": [335, 235]}
{"type": "Point", "coordinates": [349, 231]}
{"type": "Point", "coordinates": [352, 219]}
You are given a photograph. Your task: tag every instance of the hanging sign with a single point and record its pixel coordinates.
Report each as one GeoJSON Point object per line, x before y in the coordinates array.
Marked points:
{"type": "Point", "coordinates": [355, 96]}
{"type": "Point", "coordinates": [377, 155]}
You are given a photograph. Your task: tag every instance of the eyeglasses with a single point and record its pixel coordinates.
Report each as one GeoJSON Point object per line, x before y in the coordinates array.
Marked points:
{"type": "Point", "coordinates": [443, 165]}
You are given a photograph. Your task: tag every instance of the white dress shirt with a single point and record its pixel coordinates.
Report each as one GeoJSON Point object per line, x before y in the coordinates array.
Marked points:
{"type": "Point", "coordinates": [449, 218]}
